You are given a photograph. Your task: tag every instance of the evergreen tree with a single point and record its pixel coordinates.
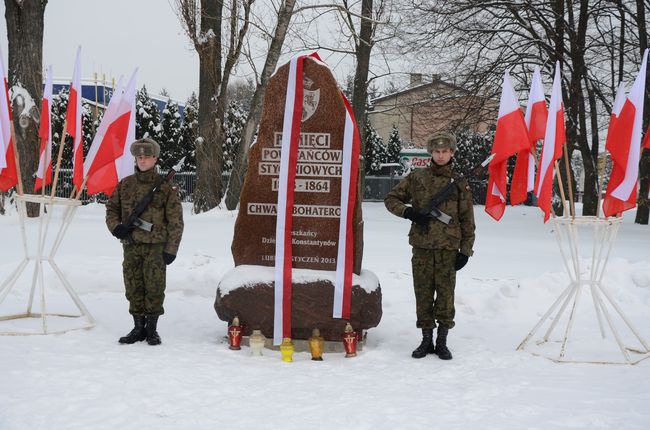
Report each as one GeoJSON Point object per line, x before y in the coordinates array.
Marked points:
{"type": "Point", "coordinates": [233, 125]}
{"type": "Point", "coordinates": [147, 116]}
{"type": "Point", "coordinates": [375, 150]}
{"type": "Point", "coordinates": [393, 148]}
{"type": "Point", "coordinates": [169, 136]}
{"type": "Point", "coordinates": [473, 149]}
{"type": "Point", "coordinates": [58, 114]}
{"type": "Point", "coordinates": [188, 132]}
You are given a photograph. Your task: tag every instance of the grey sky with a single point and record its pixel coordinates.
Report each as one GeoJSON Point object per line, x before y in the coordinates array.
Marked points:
{"type": "Point", "coordinates": [116, 36]}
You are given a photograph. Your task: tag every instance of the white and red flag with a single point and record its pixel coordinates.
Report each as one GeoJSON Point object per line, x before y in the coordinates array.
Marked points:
{"type": "Point", "coordinates": [109, 158]}
{"type": "Point", "coordinates": [523, 177]}
{"type": "Point", "coordinates": [8, 172]}
{"type": "Point", "coordinates": [625, 149]}
{"type": "Point", "coordinates": [511, 137]}
{"type": "Point", "coordinates": [619, 101]}
{"type": "Point", "coordinates": [44, 171]}
{"type": "Point", "coordinates": [554, 138]}
{"type": "Point", "coordinates": [74, 126]}
{"type": "Point", "coordinates": [286, 187]}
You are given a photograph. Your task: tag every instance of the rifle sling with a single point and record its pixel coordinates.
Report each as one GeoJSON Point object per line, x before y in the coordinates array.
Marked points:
{"type": "Point", "coordinates": [144, 202]}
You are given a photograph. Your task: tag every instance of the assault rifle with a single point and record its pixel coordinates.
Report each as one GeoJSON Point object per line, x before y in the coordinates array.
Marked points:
{"type": "Point", "coordinates": [442, 195]}
{"type": "Point", "coordinates": [134, 221]}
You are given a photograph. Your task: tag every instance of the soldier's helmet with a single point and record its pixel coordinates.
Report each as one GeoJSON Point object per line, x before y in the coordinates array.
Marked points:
{"type": "Point", "coordinates": [145, 146]}
{"type": "Point", "coordinates": [441, 140]}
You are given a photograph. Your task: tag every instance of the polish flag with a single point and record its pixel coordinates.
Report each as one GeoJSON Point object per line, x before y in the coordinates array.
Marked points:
{"type": "Point", "coordinates": [625, 149]}
{"type": "Point", "coordinates": [523, 177]}
{"type": "Point", "coordinates": [109, 157]}
{"type": "Point", "coordinates": [74, 123]}
{"type": "Point", "coordinates": [619, 101]}
{"type": "Point", "coordinates": [8, 173]}
{"type": "Point", "coordinates": [44, 172]}
{"type": "Point", "coordinates": [510, 138]}
{"type": "Point", "coordinates": [646, 141]}
{"type": "Point", "coordinates": [554, 138]}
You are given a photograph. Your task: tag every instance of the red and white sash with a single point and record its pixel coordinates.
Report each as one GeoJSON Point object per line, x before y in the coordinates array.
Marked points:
{"type": "Point", "coordinates": [345, 257]}
{"type": "Point", "coordinates": [286, 187]}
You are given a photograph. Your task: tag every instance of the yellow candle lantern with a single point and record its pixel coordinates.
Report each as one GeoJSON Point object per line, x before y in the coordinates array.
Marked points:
{"type": "Point", "coordinates": [316, 344]}
{"type": "Point", "coordinates": [286, 350]}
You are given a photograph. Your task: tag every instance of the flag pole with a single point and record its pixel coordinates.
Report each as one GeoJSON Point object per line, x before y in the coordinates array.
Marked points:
{"type": "Point", "coordinates": [568, 179]}
{"type": "Point", "coordinates": [560, 186]}
{"type": "Point", "coordinates": [96, 109]}
{"type": "Point", "coordinates": [601, 179]}
{"type": "Point", "coordinates": [58, 159]}
{"type": "Point", "coordinates": [104, 89]}
{"type": "Point", "coordinates": [80, 190]}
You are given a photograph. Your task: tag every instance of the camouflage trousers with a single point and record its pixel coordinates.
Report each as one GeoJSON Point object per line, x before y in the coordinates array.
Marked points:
{"type": "Point", "coordinates": [144, 278]}
{"type": "Point", "coordinates": [434, 281]}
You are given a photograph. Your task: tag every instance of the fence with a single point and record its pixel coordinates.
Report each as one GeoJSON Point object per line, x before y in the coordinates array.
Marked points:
{"type": "Point", "coordinates": [375, 187]}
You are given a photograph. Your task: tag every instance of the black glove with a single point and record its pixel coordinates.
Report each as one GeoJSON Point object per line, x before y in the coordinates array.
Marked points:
{"type": "Point", "coordinates": [168, 258]}
{"type": "Point", "coordinates": [417, 217]}
{"type": "Point", "coordinates": [121, 231]}
{"type": "Point", "coordinates": [461, 261]}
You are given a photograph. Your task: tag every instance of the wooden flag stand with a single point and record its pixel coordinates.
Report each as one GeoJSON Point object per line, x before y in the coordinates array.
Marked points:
{"type": "Point", "coordinates": [40, 257]}
{"type": "Point", "coordinates": [590, 276]}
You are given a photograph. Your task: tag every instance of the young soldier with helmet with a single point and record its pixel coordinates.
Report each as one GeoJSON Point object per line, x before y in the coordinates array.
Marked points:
{"type": "Point", "coordinates": [150, 245]}
{"type": "Point", "coordinates": [442, 236]}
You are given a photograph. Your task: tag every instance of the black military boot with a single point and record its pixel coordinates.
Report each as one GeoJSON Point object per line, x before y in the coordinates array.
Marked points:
{"type": "Point", "coordinates": [426, 347]}
{"type": "Point", "coordinates": [441, 344]}
{"type": "Point", "coordinates": [138, 334]}
{"type": "Point", "coordinates": [152, 334]}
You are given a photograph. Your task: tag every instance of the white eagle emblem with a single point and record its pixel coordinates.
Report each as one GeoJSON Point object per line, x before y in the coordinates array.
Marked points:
{"type": "Point", "coordinates": [310, 99]}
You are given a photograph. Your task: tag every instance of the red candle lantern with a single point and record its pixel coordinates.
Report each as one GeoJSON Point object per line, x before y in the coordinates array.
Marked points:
{"type": "Point", "coordinates": [350, 340]}
{"type": "Point", "coordinates": [235, 331]}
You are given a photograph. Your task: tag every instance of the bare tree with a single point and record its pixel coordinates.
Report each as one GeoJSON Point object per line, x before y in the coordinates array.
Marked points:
{"type": "Point", "coordinates": [284, 13]}
{"type": "Point", "coordinates": [204, 21]}
{"type": "Point", "coordinates": [475, 41]}
{"type": "Point", "coordinates": [25, 20]}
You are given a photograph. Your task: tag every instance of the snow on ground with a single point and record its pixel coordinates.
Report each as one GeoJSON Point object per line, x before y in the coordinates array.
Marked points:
{"type": "Point", "coordinates": [85, 380]}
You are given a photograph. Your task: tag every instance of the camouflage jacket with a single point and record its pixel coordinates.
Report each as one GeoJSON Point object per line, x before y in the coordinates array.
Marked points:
{"type": "Point", "coordinates": [164, 211]}
{"type": "Point", "coordinates": [418, 188]}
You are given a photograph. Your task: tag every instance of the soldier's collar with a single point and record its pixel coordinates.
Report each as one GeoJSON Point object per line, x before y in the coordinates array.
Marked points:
{"type": "Point", "coordinates": [441, 170]}
{"type": "Point", "coordinates": [148, 176]}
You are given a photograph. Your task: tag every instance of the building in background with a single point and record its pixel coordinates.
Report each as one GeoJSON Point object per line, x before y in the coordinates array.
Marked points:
{"type": "Point", "coordinates": [425, 108]}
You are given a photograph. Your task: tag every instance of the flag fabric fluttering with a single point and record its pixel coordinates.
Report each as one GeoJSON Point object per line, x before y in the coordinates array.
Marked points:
{"type": "Point", "coordinates": [523, 177]}
{"type": "Point", "coordinates": [286, 186]}
{"type": "Point", "coordinates": [74, 126]}
{"type": "Point", "coordinates": [619, 101]}
{"type": "Point", "coordinates": [8, 171]}
{"type": "Point", "coordinates": [44, 171]}
{"type": "Point", "coordinates": [646, 141]}
{"type": "Point", "coordinates": [625, 149]}
{"type": "Point", "coordinates": [109, 155]}
{"type": "Point", "coordinates": [554, 138]}
{"type": "Point", "coordinates": [511, 137]}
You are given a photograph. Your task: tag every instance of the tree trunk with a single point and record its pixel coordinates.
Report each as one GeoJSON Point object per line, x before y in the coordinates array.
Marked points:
{"type": "Point", "coordinates": [252, 122]}
{"type": "Point", "coordinates": [360, 92]}
{"type": "Point", "coordinates": [25, 38]}
{"type": "Point", "coordinates": [590, 158]}
{"type": "Point", "coordinates": [643, 202]}
{"type": "Point", "coordinates": [209, 151]}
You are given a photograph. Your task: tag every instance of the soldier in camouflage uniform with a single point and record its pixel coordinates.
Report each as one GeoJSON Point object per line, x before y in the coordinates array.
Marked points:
{"type": "Point", "coordinates": [146, 253]}
{"type": "Point", "coordinates": [439, 249]}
